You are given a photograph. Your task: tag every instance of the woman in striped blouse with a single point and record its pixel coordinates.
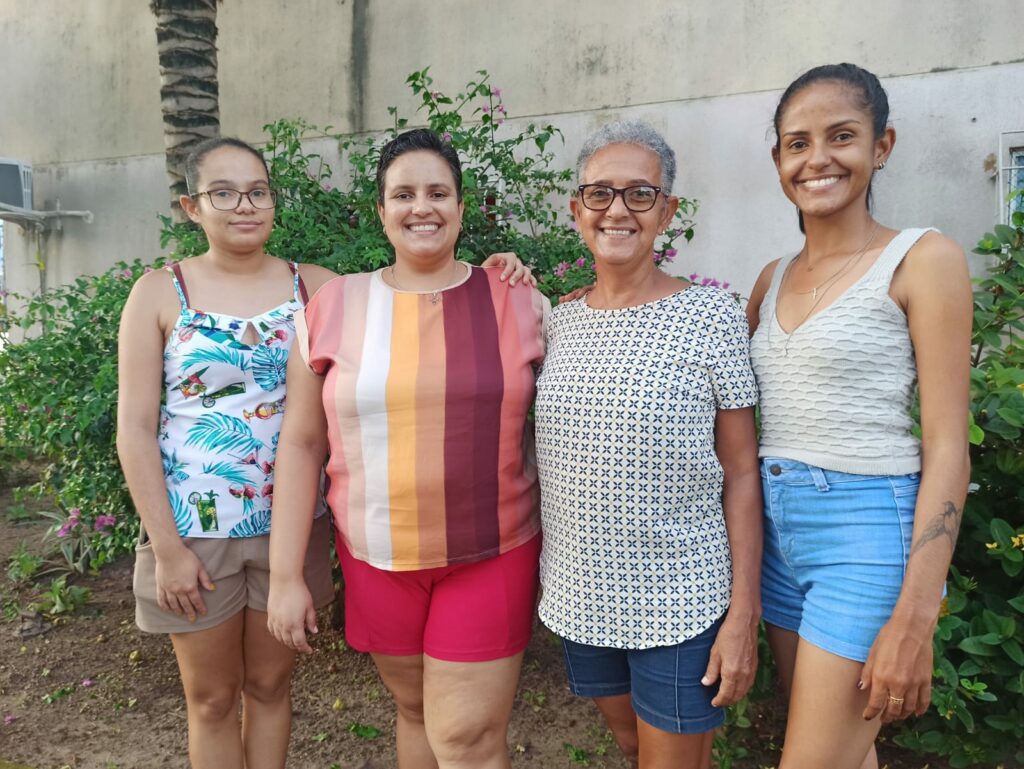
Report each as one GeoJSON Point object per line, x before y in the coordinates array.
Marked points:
{"type": "Point", "coordinates": [417, 379]}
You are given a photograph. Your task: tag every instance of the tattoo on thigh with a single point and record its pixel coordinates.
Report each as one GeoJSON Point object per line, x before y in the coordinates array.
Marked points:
{"type": "Point", "coordinates": [945, 524]}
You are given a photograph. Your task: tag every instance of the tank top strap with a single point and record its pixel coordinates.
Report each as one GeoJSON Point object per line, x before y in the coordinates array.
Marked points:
{"type": "Point", "coordinates": [179, 284]}
{"type": "Point", "coordinates": [768, 303]}
{"type": "Point", "coordinates": [892, 255]}
{"type": "Point", "coordinates": [298, 286]}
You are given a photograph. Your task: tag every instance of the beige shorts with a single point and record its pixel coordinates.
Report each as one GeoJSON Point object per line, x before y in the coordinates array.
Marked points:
{"type": "Point", "coordinates": [240, 570]}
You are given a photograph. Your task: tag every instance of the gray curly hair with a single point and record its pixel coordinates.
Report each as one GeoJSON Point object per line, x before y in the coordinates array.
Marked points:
{"type": "Point", "coordinates": [630, 132]}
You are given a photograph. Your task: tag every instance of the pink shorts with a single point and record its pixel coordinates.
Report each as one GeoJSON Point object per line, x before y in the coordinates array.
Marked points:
{"type": "Point", "coordinates": [470, 612]}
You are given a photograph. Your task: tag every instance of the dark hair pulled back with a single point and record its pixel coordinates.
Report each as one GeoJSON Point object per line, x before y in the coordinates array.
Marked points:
{"type": "Point", "coordinates": [870, 95]}
{"type": "Point", "coordinates": [412, 141]}
{"type": "Point", "coordinates": [194, 159]}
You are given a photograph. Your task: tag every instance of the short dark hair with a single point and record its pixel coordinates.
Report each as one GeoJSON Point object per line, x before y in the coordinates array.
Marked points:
{"type": "Point", "coordinates": [870, 94]}
{"type": "Point", "coordinates": [412, 141]}
{"type": "Point", "coordinates": [205, 147]}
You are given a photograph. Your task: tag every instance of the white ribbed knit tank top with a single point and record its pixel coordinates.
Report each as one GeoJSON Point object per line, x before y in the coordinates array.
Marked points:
{"type": "Point", "coordinates": [837, 392]}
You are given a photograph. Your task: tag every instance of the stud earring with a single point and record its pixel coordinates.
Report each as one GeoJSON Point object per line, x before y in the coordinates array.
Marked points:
{"type": "Point", "coordinates": [880, 166]}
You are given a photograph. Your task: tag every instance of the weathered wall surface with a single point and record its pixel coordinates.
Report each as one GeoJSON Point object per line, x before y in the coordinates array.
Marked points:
{"type": "Point", "coordinates": [81, 99]}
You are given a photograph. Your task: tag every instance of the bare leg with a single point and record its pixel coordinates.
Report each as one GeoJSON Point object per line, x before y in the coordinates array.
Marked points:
{"type": "Point", "coordinates": [664, 750]}
{"type": "Point", "coordinates": [403, 676]}
{"type": "Point", "coordinates": [467, 707]}
{"type": "Point", "coordinates": [621, 719]}
{"type": "Point", "coordinates": [210, 662]}
{"type": "Point", "coordinates": [825, 727]}
{"type": "Point", "coordinates": [266, 695]}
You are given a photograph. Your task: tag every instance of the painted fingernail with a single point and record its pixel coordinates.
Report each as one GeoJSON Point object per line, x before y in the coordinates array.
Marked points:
{"type": "Point", "coordinates": [706, 681]}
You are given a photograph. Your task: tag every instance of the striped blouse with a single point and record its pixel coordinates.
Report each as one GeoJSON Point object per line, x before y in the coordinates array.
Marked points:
{"type": "Point", "coordinates": [426, 397]}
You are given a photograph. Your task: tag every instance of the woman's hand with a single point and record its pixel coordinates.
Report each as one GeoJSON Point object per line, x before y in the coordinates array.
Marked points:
{"type": "Point", "coordinates": [898, 673]}
{"type": "Point", "coordinates": [178, 578]}
{"type": "Point", "coordinates": [290, 613]}
{"type": "Point", "coordinates": [572, 296]}
{"type": "Point", "coordinates": [733, 659]}
{"type": "Point", "coordinates": [514, 271]}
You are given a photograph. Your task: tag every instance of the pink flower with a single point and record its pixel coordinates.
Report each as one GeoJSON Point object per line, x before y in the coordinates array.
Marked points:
{"type": "Point", "coordinates": [573, 225]}
{"type": "Point", "coordinates": [581, 262]}
{"type": "Point", "coordinates": [500, 120]}
{"type": "Point", "coordinates": [22, 408]}
{"type": "Point", "coordinates": [66, 527]}
{"type": "Point", "coordinates": [693, 277]}
{"type": "Point", "coordinates": [75, 512]}
{"type": "Point", "coordinates": [485, 109]}
{"type": "Point", "coordinates": [146, 269]}
{"type": "Point", "coordinates": [670, 253]}
{"type": "Point", "coordinates": [483, 209]}
{"type": "Point", "coordinates": [9, 718]}
{"type": "Point", "coordinates": [496, 93]}
{"type": "Point", "coordinates": [125, 274]}
{"type": "Point", "coordinates": [725, 285]}
{"type": "Point", "coordinates": [87, 682]}
{"type": "Point", "coordinates": [103, 521]}
{"type": "Point", "coordinates": [328, 187]}
{"type": "Point", "coordinates": [446, 137]}
{"type": "Point", "coordinates": [561, 269]}
{"type": "Point", "coordinates": [500, 108]}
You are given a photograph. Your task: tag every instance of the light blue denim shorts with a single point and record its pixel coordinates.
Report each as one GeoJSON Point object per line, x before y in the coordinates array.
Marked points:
{"type": "Point", "coordinates": [663, 682]}
{"type": "Point", "coordinates": [835, 552]}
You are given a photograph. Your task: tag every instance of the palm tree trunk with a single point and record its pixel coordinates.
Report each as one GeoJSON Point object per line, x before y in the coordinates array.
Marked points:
{"type": "Point", "coordinates": [186, 37]}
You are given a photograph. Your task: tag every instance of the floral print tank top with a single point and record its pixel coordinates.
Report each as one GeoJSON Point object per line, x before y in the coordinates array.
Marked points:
{"type": "Point", "coordinates": [222, 418]}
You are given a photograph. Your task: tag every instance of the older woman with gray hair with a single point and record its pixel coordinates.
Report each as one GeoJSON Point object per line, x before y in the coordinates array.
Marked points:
{"type": "Point", "coordinates": [651, 494]}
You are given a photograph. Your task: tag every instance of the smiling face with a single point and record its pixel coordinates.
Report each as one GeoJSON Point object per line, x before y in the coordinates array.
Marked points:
{"type": "Point", "coordinates": [828, 150]}
{"type": "Point", "coordinates": [421, 211]}
{"type": "Point", "coordinates": [618, 236]}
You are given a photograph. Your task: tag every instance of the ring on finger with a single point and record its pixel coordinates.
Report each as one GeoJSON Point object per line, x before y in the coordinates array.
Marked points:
{"type": "Point", "coordinates": [898, 701]}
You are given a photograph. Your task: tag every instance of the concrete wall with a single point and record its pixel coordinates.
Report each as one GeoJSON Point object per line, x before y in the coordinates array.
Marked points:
{"type": "Point", "coordinates": [81, 98]}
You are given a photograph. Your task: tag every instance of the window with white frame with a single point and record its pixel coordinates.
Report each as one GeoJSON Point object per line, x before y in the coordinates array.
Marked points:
{"type": "Point", "coordinates": [1015, 181]}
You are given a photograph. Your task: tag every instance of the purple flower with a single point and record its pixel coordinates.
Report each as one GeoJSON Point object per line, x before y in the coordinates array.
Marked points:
{"type": "Point", "coordinates": [561, 269]}
{"type": "Point", "coordinates": [125, 274]}
{"type": "Point", "coordinates": [725, 285]}
{"type": "Point", "coordinates": [496, 92]}
{"type": "Point", "coordinates": [500, 108]}
{"type": "Point", "coordinates": [87, 682]}
{"type": "Point", "coordinates": [75, 512]}
{"type": "Point", "coordinates": [670, 253]}
{"type": "Point", "coordinates": [581, 262]}
{"type": "Point", "coordinates": [66, 527]}
{"type": "Point", "coordinates": [693, 277]}
{"type": "Point", "coordinates": [485, 109]}
{"type": "Point", "coordinates": [102, 521]}
{"type": "Point", "coordinates": [9, 718]}
{"type": "Point", "coordinates": [483, 209]}
{"type": "Point", "coordinates": [446, 137]}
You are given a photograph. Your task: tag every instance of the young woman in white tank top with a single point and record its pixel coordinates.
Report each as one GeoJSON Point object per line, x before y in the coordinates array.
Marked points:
{"type": "Point", "coordinates": [860, 517]}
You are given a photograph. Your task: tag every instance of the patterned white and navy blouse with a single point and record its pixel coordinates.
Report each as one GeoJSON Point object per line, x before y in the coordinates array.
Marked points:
{"type": "Point", "coordinates": [224, 406]}
{"type": "Point", "coordinates": [635, 548]}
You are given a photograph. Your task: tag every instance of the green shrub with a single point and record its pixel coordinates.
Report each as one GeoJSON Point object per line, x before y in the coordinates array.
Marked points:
{"type": "Point", "coordinates": [978, 696]}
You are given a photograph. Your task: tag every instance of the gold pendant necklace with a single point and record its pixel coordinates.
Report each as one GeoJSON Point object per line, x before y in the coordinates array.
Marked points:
{"type": "Point", "coordinates": [435, 295]}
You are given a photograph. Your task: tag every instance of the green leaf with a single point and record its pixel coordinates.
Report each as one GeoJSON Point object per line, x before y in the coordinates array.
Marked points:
{"type": "Point", "coordinates": [1014, 651]}
{"type": "Point", "coordinates": [975, 645]}
{"type": "Point", "coordinates": [1007, 235]}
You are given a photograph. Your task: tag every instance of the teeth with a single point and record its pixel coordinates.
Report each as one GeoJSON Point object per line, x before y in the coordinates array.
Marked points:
{"type": "Point", "coordinates": [423, 227]}
{"type": "Point", "coordinates": [610, 231]}
{"type": "Point", "coordinates": [816, 183]}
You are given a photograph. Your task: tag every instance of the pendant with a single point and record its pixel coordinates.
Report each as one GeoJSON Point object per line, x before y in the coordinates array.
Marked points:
{"type": "Point", "coordinates": [435, 297]}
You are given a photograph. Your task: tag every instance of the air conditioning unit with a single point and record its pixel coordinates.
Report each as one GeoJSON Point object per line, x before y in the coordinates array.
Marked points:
{"type": "Point", "coordinates": [15, 183]}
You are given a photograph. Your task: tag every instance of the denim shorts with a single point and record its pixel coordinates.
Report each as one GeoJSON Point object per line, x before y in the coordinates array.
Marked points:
{"type": "Point", "coordinates": [835, 552]}
{"type": "Point", "coordinates": [664, 682]}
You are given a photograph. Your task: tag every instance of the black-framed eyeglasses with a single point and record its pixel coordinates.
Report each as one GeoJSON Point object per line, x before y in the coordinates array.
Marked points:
{"type": "Point", "coordinates": [229, 200]}
{"type": "Point", "coordinates": [638, 198]}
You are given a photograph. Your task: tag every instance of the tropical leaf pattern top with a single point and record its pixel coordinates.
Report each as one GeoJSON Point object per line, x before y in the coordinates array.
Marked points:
{"type": "Point", "coordinates": [219, 427]}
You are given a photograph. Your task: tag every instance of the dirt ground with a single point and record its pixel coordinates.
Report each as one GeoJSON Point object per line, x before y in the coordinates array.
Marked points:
{"type": "Point", "coordinates": [92, 692]}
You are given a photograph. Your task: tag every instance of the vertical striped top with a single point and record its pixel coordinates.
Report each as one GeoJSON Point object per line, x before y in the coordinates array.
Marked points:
{"type": "Point", "coordinates": [426, 397]}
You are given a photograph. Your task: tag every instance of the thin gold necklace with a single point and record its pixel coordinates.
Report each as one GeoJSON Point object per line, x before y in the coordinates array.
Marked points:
{"type": "Point", "coordinates": [435, 295]}
{"type": "Point", "coordinates": [850, 262]}
{"type": "Point", "coordinates": [827, 283]}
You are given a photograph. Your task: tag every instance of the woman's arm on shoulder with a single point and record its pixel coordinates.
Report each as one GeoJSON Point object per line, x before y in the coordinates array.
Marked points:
{"type": "Point", "coordinates": [314, 276]}
{"type": "Point", "coordinates": [933, 285]}
{"type": "Point", "coordinates": [143, 331]}
{"type": "Point", "coordinates": [757, 294]}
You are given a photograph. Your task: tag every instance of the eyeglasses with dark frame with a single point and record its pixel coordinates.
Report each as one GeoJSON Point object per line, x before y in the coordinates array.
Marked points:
{"type": "Point", "coordinates": [228, 200]}
{"type": "Point", "coordinates": [638, 198]}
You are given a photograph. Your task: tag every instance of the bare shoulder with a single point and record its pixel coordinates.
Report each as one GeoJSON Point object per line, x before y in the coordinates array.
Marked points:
{"type": "Point", "coordinates": [314, 276]}
{"type": "Point", "coordinates": [155, 290]}
{"type": "Point", "coordinates": [935, 263]}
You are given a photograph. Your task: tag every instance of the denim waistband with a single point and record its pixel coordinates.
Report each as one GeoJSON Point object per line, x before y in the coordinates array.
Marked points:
{"type": "Point", "coordinates": [790, 472]}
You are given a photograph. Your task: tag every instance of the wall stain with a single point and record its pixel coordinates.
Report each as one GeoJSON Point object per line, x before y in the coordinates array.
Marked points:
{"type": "Point", "coordinates": [357, 65]}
